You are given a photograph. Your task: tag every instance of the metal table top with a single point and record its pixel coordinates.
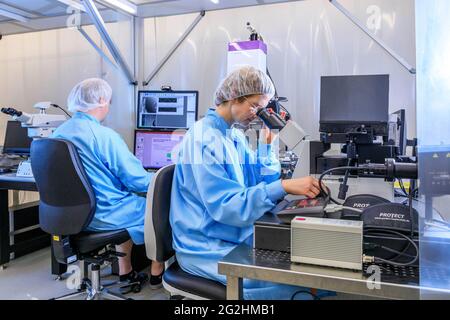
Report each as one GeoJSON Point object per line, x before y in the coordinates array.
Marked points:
{"type": "Point", "coordinates": [249, 263]}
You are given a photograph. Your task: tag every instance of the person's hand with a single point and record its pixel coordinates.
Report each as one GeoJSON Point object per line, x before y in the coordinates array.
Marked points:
{"type": "Point", "coordinates": [267, 135]}
{"type": "Point", "coordinates": [307, 186]}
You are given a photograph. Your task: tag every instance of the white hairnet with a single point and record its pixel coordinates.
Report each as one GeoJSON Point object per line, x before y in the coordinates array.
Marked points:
{"type": "Point", "coordinates": [242, 82]}
{"type": "Point", "coordinates": [87, 94]}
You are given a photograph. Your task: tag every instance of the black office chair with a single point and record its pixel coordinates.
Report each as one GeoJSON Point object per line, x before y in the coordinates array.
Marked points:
{"type": "Point", "coordinates": [67, 206]}
{"type": "Point", "coordinates": [158, 244]}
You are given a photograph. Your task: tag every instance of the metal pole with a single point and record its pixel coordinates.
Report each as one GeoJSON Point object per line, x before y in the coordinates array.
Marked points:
{"type": "Point", "coordinates": [91, 9]}
{"type": "Point", "coordinates": [96, 47]}
{"type": "Point", "coordinates": [174, 48]}
{"type": "Point", "coordinates": [388, 49]}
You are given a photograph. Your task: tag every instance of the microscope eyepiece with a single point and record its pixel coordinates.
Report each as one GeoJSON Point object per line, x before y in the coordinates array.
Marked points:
{"type": "Point", "coordinates": [271, 119]}
{"type": "Point", "coordinates": [11, 112]}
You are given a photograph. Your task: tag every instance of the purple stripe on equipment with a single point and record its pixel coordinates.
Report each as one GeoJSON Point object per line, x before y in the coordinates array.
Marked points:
{"type": "Point", "coordinates": [247, 45]}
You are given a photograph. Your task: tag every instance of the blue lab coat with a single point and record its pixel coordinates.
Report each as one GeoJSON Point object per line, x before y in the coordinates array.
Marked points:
{"type": "Point", "coordinates": [116, 175]}
{"type": "Point", "coordinates": [216, 198]}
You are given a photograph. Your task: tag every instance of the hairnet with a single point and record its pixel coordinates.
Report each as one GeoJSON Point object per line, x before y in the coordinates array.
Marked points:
{"type": "Point", "coordinates": [242, 82]}
{"type": "Point", "coordinates": [87, 94]}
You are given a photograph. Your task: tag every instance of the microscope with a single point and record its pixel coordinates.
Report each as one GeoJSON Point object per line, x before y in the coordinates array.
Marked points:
{"type": "Point", "coordinates": [39, 125]}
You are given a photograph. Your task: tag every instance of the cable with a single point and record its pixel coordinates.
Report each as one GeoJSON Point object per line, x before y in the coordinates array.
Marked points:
{"type": "Point", "coordinates": [402, 235]}
{"type": "Point", "coordinates": [325, 173]}
{"type": "Point", "coordinates": [56, 106]}
{"type": "Point", "coordinates": [375, 245]}
{"type": "Point", "coordinates": [304, 291]}
{"type": "Point", "coordinates": [402, 186]}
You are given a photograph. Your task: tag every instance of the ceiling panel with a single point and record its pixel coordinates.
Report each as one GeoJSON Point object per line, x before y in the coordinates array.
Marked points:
{"type": "Point", "coordinates": [51, 14]}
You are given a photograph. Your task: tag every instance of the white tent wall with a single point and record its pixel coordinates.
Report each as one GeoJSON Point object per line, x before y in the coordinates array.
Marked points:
{"type": "Point", "coordinates": [44, 66]}
{"type": "Point", "coordinates": [306, 40]}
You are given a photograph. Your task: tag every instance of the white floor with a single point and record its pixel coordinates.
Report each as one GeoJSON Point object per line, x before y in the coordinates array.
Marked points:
{"type": "Point", "coordinates": [29, 277]}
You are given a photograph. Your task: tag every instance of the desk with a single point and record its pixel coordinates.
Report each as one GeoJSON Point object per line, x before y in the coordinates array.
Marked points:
{"type": "Point", "coordinates": [9, 181]}
{"type": "Point", "coordinates": [246, 262]}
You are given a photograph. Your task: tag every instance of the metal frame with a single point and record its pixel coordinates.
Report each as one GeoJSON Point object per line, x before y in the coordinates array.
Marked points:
{"type": "Point", "coordinates": [96, 47]}
{"type": "Point", "coordinates": [174, 48]}
{"type": "Point", "coordinates": [383, 45]}
{"type": "Point", "coordinates": [14, 16]}
{"type": "Point", "coordinates": [97, 19]}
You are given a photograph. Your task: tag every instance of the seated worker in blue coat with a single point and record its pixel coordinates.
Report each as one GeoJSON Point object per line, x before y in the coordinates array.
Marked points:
{"type": "Point", "coordinates": [221, 186]}
{"type": "Point", "coordinates": [115, 174]}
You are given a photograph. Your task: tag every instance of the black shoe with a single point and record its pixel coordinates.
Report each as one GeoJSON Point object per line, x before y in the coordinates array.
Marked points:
{"type": "Point", "coordinates": [133, 282]}
{"type": "Point", "coordinates": [156, 281]}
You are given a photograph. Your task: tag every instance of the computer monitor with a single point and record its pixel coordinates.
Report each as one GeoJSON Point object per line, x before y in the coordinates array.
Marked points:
{"type": "Point", "coordinates": [348, 103]}
{"type": "Point", "coordinates": [16, 139]}
{"type": "Point", "coordinates": [155, 148]}
{"type": "Point", "coordinates": [167, 109]}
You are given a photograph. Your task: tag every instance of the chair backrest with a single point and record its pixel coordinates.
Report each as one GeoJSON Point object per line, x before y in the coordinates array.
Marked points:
{"type": "Point", "coordinates": [158, 232]}
{"type": "Point", "coordinates": [67, 200]}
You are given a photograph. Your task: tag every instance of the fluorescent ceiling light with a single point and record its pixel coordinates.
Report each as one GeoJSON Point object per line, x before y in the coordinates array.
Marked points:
{"type": "Point", "coordinates": [123, 5]}
{"type": "Point", "coordinates": [73, 4]}
{"type": "Point", "coordinates": [13, 16]}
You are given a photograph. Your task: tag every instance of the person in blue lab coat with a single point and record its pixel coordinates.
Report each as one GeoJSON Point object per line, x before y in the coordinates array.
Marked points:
{"type": "Point", "coordinates": [221, 186]}
{"type": "Point", "coordinates": [115, 174]}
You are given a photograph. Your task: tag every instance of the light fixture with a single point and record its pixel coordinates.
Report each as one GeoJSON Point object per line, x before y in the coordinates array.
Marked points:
{"type": "Point", "coordinates": [73, 4]}
{"type": "Point", "coordinates": [215, 1]}
{"type": "Point", "coordinates": [123, 5]}
{"type": "Point", "coordinates": [13, 16]}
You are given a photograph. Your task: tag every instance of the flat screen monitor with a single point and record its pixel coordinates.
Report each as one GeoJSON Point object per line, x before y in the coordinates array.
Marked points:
{"type": "Point", "coordinates": [155, 149]}
{"type": "Point", "coordinates": [16, 139]}
{"type": "Point", "coordinates": [348, 102]}
{"type": "Point", "coordinates": [167, 110]}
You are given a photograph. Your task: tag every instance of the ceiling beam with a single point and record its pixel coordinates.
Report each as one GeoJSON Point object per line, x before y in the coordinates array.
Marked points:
{"type": "Point", "coordinates": [14, 16]}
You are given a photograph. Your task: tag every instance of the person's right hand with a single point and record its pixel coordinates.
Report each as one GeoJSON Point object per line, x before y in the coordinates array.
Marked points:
{"type": "Point", "coordinates": [307, 186]}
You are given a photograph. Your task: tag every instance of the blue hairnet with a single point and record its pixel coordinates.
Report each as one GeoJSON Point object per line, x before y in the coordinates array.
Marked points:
{"type": "Point", "coordinates": [87, 94]}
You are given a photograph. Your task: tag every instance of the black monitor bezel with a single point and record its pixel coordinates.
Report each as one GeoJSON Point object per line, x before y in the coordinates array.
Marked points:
{"type": "Point", "coordinates": [138, 126]}
{"type": "Point", "coordinates": [12, 150]}
{"type": "Point", "coordinates": [136, 131]}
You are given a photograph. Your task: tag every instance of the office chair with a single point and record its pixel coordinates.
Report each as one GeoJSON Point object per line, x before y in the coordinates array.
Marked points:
{"type": "Point", "coordinates": [67, 206]}
{"type": "Point", "coordinates": [158, 244]}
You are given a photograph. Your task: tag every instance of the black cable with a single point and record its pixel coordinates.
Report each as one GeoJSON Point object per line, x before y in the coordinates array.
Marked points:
{"type": "Point", "coordinates": [56, 106]}
{"type": "Point", "coordinates": [399, 234]}
{"type": "Point", "coordinates": [375, 245]}
{"type": "Point", "coordinates": [400, 253]}
{"type": "Point", "coordinates": [325, 173]}
{"type": "Point", "coordinates": [305, 291]}
{"type": "Point", "coordinates": [402, 186]}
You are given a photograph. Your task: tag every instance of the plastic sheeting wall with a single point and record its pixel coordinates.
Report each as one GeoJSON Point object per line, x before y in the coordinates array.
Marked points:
{"type": "Point", "coordinates": [433, 105]}
{"type": "Point", "coordinates": [306, 40]}
{"type": "Point", "coordinates": [44, 66]}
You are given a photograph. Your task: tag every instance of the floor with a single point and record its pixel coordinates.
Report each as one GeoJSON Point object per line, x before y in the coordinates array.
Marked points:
{"type": "Point", "coordinates": [29, 278]}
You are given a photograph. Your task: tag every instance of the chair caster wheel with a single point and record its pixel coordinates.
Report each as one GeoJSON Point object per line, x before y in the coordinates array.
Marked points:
{"type": "Point", "coordinates": [137, 288]}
